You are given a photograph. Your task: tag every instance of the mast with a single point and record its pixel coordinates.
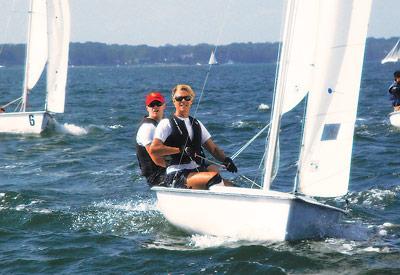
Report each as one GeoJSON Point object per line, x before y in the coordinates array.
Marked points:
{"type": "Point", "coordinates": [27, 54]}
{"type": "Point", "coordinates": [279, 96]}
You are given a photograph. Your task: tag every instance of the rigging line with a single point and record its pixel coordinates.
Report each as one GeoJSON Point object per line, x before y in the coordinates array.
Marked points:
{"type": "Point", "coordinates": [7, 26]}
{"type": "Point", "coordinates": [11, 102]}
{"type": "Point", "coordinates": [207, 75]}
{"type": "Point", "coordinates": [252, 182]}
{"type": "Point", "coordinates": [222, 26]}
{"type": "Point", "coordinates": [250, 141]}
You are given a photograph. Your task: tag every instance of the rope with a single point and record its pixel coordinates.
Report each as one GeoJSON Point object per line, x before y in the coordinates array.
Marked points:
{"type": "Point", "coordinates": [206, 78]}
{"type": "Point", "coordinates": [11, 102]}
{"type": "Point", "coordinates": [249, 142]}
{"type": "Point", "coordinates": [252, 182]}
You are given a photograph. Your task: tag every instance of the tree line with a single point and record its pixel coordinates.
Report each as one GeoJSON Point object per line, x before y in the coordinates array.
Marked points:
{"type": "Point", "coordinates": [100, 54]}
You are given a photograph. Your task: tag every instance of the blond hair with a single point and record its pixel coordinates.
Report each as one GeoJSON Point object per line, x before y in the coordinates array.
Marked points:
{"type": "Point", "coordinates": [182, 87]}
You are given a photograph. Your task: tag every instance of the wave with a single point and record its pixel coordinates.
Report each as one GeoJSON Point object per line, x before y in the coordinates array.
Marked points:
{"type": "Point", "coordinates": [263, 106]}
{"type": "Point", "coordinates": [70, 129]}
{"type": "Point", "coordinates": [119, 218]}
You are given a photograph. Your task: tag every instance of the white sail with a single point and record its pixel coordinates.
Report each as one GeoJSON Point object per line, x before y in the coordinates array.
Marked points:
{"type": "Point", "coordinates": [59, 32]}
{"type": "Point", "coordinates": [36, 46]}
{"type": "Point", "coordinates": [212, 60]}
{"type": "Point", "coordinates": [332, 101]}
{"type": "Point", "coordinates": [393, 55]}
{"type": "Point", "coordinates": [301, 44]}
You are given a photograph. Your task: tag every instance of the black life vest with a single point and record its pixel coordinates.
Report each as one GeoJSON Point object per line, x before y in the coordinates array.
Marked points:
{"type": "Point", "coordinates": [146, 164]}
{"type": "Point", "coordinates": [179, 137]}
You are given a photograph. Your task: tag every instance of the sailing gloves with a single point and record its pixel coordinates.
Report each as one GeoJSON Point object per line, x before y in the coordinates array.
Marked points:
{"type": "Point", "coordinates": [230, 166]}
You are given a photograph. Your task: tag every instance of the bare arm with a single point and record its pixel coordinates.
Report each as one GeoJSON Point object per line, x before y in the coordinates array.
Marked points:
{"type": "Point", "coordinates": [158, 149]}
{"type": "Point", "coordinates": [214, 150]}
{"type": "Point", "coordinates": [157, 160]}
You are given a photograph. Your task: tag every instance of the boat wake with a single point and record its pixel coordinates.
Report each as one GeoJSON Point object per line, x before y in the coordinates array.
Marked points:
{"type": "Point", "coordinates": [119, 218]}
{"type": "Point", "coordinates": [70, 129]}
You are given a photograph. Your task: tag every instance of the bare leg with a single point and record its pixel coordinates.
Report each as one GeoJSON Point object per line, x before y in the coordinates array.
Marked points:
{"type": "Point", "coordinates": [199, 180]}
{"type": "Point", "coordinates": [214, 168]}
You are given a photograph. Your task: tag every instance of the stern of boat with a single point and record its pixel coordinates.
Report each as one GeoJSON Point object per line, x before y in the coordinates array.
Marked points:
{"type": "Point", "coordinates": [24, 122]}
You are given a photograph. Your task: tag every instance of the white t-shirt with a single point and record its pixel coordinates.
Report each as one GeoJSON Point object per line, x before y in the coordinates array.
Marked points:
{"type": "Point", "coordinates": [164, 130]}
{"type": "Point", "coordinates": [145, 134]}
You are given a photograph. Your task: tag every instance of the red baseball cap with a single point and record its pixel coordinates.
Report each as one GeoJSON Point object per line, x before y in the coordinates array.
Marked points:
{"type": "Point", "coordinates": [154, 96]}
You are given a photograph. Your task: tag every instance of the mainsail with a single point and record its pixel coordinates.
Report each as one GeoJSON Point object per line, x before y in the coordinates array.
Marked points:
{"type": "Point", "coordinates": [393, 55]}
{"type": "Point", "coordinates": [322, 54]}
{"type": "Point", "coordinates": [324, 166]}
{"type": "Point", "coordinates": [59, 31]}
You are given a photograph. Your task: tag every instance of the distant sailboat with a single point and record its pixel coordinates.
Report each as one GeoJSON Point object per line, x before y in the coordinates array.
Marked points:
{"type": "Point", "coordinates": [213, 60]}
{"type": "Point", "coordinates": [47, 43]}
{"type": "Point", "coordinates": [393, 55]}
{"type": "Point", "coordinates": [322, 56]}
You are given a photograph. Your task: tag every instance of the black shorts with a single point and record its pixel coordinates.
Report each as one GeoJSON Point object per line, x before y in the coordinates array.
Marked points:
{"type": "Point", "coordinates": [178, 179]}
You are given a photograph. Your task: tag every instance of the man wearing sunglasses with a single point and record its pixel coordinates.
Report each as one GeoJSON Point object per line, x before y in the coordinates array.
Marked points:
{"type": "Point", "coordinates": [152, 167]}
{"type": "Point", "coordinates": [180, 140]}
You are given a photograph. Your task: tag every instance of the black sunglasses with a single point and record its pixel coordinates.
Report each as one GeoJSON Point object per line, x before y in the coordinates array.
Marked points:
{"type": "Point", "coordinates": [180, 98]}
{"type": "Point", "coordinates": [155, 103]}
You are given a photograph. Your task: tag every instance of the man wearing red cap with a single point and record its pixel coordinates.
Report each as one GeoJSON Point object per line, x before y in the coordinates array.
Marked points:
{"type": "Point", "coordinates": [152, 167]}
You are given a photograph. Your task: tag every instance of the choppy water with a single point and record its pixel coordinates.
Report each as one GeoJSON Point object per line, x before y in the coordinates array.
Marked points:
{"type": "Point", "coordinates": [72, 200]}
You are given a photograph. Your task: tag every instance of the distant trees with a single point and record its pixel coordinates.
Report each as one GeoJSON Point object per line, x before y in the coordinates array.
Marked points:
{"type": "Point", "coordinates": [100, 54]}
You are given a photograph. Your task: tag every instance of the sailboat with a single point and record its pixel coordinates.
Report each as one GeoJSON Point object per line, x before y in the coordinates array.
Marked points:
{"type": "Point", "coordinates": [47, 43]}
{"type": "Point", "coordinates": [393, 55]}
{"type": "Point", "coordinates": [321, 57]}
{"type": "Point", "coordinates": [212, 60]}
{"type": "Point", "coordinates": [394, 118]}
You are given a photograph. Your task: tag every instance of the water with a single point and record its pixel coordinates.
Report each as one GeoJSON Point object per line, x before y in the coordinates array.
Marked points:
{"type": "Point", "coordinates": [72, 200]}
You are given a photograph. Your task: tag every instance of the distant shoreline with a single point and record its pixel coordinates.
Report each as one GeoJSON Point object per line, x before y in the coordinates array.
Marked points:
{"type": "Point", "coordinates": [101, 54]}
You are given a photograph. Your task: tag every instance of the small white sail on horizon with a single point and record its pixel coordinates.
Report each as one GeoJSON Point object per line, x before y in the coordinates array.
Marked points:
{"type": "Point", "coordinates": [47, 44]}
{"type": "Point", "coordinates": [213, 59]}
{"type": "Point", "coordinates": [393, 55]}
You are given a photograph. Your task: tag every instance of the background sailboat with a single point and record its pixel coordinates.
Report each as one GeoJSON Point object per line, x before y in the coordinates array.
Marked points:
{"type": "Point", "coordinates": [393, 55]}
{"type": "Point", "coordinates": [322, 55]}
{"type": "Point", "coordinates": [47, 43]}
{"type": "Point", "coordinates": [213, 59]}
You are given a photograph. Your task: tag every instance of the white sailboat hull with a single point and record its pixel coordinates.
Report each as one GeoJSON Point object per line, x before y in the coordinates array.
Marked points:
{"type": "Point", "coordinates": [394, 118]}
{"type": "Point", "coordinates": [246, 214]}
{"type": "Point", "coordinates": [25, 122]}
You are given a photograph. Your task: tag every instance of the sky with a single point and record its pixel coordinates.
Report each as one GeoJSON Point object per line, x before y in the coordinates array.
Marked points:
{"type": "Point", "coordinates": [161, 22]}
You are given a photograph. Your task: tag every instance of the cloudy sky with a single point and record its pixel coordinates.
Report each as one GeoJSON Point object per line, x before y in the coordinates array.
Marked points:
{"type": "Point", "coordinates": [175, 22]}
